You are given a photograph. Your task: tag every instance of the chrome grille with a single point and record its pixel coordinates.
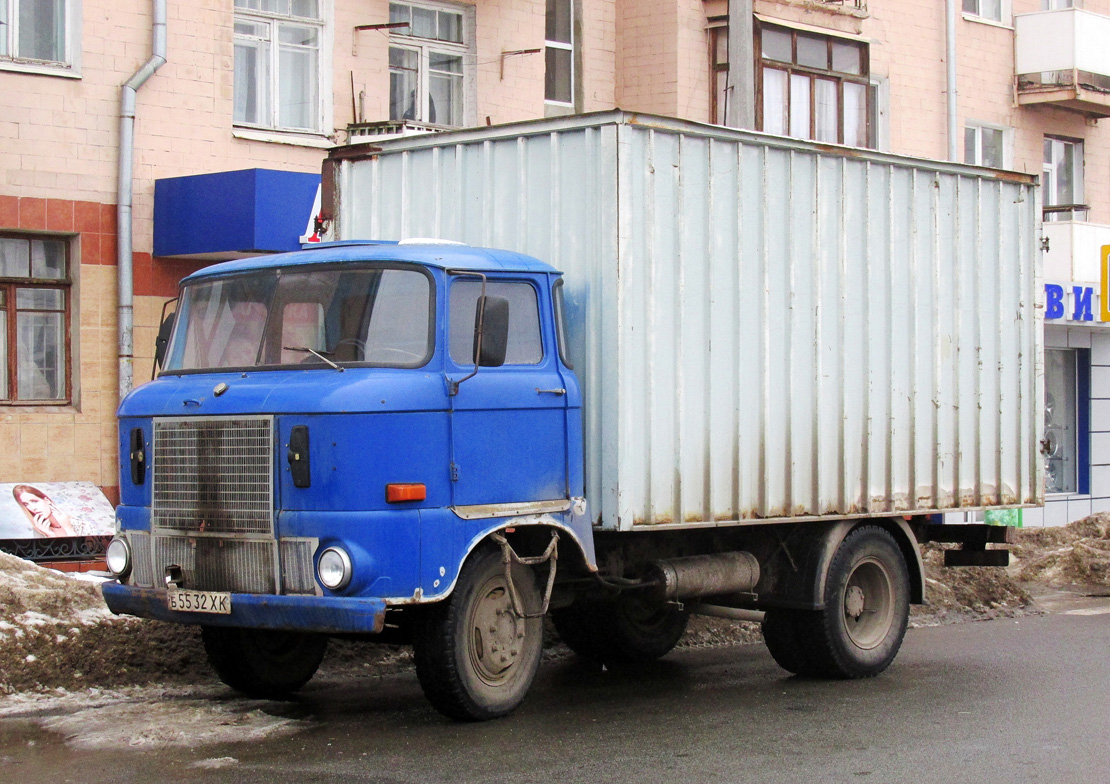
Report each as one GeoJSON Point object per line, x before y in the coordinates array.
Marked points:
{"type": "Point", "coordinates": [141, 573]}
{"type": "Point", "coordinates": [296, 566]}
{"type": "Point", "coordinates": [218, 564]}
{"type": "Point", "coordinates": [213, 475]}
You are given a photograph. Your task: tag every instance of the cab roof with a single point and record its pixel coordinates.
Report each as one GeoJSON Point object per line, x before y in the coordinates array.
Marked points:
{"type": "Point", "coordinates": [431, 254]}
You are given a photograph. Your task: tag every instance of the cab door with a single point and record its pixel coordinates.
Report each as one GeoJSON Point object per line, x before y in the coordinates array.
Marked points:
{"type": "Point", "coordinates": [508, 423]}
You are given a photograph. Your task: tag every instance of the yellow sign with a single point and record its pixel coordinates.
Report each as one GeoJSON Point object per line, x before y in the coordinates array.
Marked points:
{"type": "Point", "coordinates": [1104, 300]}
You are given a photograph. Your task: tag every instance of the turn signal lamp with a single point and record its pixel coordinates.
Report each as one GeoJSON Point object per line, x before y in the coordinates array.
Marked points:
{"type": "Point", "coordinates": [399, 493]}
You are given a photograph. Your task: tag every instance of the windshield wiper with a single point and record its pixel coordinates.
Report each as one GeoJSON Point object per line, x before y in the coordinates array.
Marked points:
{"type": "Point", "coordinates": [314, 353]}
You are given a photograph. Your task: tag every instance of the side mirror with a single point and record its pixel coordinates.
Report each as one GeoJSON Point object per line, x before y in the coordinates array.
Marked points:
{"type": "Point", "coordinates": [491, 331]}
{"type": "Point", "coordinates": [163, 339]}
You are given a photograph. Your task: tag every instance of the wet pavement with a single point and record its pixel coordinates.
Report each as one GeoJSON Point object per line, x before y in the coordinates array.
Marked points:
{"type": "Point", "coordinates": [1008, 700]}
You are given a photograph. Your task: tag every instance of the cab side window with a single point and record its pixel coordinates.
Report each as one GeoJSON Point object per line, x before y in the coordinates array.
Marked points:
{"type": "Point", "coordinates": [525, 346]}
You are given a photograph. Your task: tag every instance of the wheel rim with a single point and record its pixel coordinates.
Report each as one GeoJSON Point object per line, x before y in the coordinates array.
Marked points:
{"type": "Point", "coordinates": [868, 603]}
{"type": "Point", "coordinates": [496, 633]}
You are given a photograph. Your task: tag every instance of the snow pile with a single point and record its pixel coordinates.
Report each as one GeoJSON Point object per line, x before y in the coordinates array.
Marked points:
{"type": "Point", "coordinates": [55, 631]}
{"type": "Point", "coordinates": [1073, 556]}
{"type": "Point", "coordinates": [962, 593]}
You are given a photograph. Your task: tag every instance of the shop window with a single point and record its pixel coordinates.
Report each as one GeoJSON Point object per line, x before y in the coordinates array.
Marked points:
{"type": "Point", "coordinates": [34, 320]}
{"type": "Point", "coordinates": [428, 63]}
{"type": "Point", "coordinates": [1062, 184]}
{"type": "Point", "coordinates": [814, 86]}
{"type": "Point", "coordinates": [277, 64]}
{"type": "Point", "coordinates": [986, 145]}
{"type": "Point", "coordinates": [1066, 421]}
{"type": "Point", "coordinates": [559, 53]}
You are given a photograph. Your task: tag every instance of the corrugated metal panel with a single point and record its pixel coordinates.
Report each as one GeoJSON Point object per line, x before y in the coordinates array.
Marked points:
{"type": "Point", "coordinates": [764, 328]}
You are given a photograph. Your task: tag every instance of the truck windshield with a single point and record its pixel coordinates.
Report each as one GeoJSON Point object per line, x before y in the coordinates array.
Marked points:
{"type": "Point", "coordinates": [377, 316]}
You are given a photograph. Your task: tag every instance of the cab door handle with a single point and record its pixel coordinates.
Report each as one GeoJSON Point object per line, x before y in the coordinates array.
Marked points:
{"type": "Point", "coordinates": [550, 391]}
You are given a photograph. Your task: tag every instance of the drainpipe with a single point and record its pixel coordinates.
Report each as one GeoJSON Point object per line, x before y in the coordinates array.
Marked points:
{"type": "Point", "coordinates": [124, 194]}
{"type": "Point", "coordinates": [953, 127]}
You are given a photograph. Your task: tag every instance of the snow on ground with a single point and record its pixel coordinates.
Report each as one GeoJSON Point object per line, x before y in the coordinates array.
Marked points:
{"type": "Point", "coordinates": [104, 681]}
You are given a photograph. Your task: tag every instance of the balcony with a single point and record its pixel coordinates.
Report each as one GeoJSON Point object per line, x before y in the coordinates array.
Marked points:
{"type": "Point", "coordinates": [1074, 251]}
{"type": "Point", "coordinates": [359, 133]}
{"type": "Point", "coordinates": [1061, 59]}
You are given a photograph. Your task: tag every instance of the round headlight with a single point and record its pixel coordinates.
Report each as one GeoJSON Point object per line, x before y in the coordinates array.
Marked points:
{"type": "Point", "coordinates": [334, 568]}
{"type": "Point", "coordinates": [119, 557]}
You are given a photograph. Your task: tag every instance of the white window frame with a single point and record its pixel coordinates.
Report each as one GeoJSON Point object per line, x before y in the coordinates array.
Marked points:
{"type": "Point", "coordinates": [566, 47]}
{"type": "Point", "coordinates": [1005, 16]}
{"type": "Point", "coordinates": [1049, 176]}
{"type": "Point", "coordinates": [400, 38]}
{"type": "Point", "coordinates": [1057, 5]}
{"type": "Point", "coordinates": [1007, 142]}
{"type": "Point", "coordinates": [322, 119]}
{"type": "Point", "coordinates": [70, 64]}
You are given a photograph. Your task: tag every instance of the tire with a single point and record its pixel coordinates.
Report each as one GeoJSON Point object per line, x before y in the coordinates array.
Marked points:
{"type": "Point", "coordinates": [261, 662]}
{"type": "Point", "coordinates": [475, 658]}
{"type": "Point", "coordinates": [859, 632]}
{"type": "Point", "coordinates": [780, 633]}
{"type": "Point", "coordinates": [621, 632]}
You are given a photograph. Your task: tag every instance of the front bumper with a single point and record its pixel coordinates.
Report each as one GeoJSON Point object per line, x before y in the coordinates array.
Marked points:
{"type": "Point", "coordinates": [326, 614]}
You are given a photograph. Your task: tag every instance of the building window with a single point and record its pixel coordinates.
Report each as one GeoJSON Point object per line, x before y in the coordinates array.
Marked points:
{"type": "Point", "coordinates": [277, 64]}
{"type": "Point", "coordinates": [427, 64]}
{"type": "Point", "coordinates": [814, 86]}
{"type": "Point", "coordinates": [986, 145]}
{"type": "Point", "coordinates": [34, 320]}
{"type": "Point", "coordinates": [1066, 447]}
{"type": "Point", "coordinates": [559, 53]}
{"type": "Point", "coordinates": [34, 31]}
{"type": "Point", "coordinates": [994, 10]}
{"type": "Point", "coordinates": [1062, 184]}
{"type": "Point", "coordinates": [1056, 5]}
{"type": "Point", "coordinates": [718, 69]}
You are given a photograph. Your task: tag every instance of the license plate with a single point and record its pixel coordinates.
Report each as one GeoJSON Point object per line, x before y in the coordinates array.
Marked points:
{"type": "Point", "coordinates": [183, 600]}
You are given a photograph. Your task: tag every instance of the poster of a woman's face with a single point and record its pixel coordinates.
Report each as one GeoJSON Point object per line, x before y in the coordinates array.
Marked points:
{"type": "Point", "coordinates": [54, 509]}
{"type": "Point", "coordinates": [46, 518]}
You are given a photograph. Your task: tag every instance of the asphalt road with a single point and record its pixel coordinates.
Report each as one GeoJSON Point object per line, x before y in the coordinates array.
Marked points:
{"type": "Point", "coordinates": [1014, 700]}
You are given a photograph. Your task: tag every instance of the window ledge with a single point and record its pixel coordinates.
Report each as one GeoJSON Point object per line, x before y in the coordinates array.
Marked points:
{"type": "Point", "coordinates": [988, 22]}
{"type": "Point", "coordinates": [319, 141]}
{"type": "Point", "coordinates": [40, 69]}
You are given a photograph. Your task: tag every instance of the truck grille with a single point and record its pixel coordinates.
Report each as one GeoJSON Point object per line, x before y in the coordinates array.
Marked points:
{"type": "Point", "coordinates": [214, 475]}
{"type": "Point", "coordinates": [212, 512]}
{"type": "Point", "coordinates": [215, 563]}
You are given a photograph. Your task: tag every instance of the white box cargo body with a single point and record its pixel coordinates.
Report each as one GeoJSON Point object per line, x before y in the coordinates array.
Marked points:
{"type": "Point", "coordinates": [764, 328]}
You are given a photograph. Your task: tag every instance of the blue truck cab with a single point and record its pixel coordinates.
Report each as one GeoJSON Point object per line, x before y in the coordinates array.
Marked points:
{"type": "Point", "coordinates": [333, 434]}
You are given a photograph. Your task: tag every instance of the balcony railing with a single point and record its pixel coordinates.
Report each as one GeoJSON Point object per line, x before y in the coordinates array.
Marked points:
{"type": "Point", "coordinates": [1061, 58]}
{"type": "Point", "coordinates": [357, 133]}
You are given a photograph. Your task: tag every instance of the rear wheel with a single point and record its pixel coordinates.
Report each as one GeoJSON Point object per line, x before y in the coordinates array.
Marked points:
{"type": "Point", "coordinates": [475, 657]}
{"type": "Point", "coordinates": [780, 633]}
{"type": "Point", "coordinates": [262, 662]}
{"type": "Point", "coordinates": [859, 632]}
{"type": "Point", "coordinates": [621, 631]}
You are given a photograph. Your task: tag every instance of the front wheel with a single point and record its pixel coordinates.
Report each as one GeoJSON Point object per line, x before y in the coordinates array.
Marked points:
{"type": "Point", "coordinates": [859, 632]}
{"type": "Point", "coordinates": [261, 662]}
{"type": "Point", "coordinates": [475, 657]}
